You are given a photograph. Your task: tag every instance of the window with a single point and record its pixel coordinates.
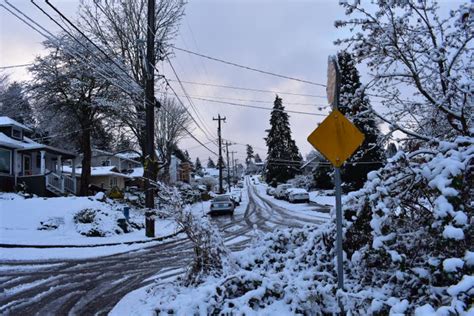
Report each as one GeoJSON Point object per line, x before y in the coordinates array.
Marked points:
{"type": "Point", "coordinates": [5, 161]}
{"type": "Point", "coordinates": [38, 160]}
{"type": "Point", "coordinates": [16, 133]}
{"type": "Point", "coordinates": [105, 163]}
{"type": "Point", "coordinates": [113, 182]}
{"type": "Point", "coordinates": [26, 165]}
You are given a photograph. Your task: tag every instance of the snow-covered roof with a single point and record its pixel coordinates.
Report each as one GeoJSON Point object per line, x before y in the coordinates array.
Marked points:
{"type": "Point", "coordinates": [10, 142]}
{"type": "Point", "coordinates": [29, 144]}
{"type": "Point", "coordinates": [136, 173]}
{"type": "Point", "coordinates": [126, 156]}
{"type": "Point", "coordinates": [98, 171]}
{"type": "Point", "coordinates": [6, 121]}
{"type": "Point", "coordinates": [297, 191]}
{"type": "Point", "coordinates": [213, 172]}
{"type": "Point", "coordinates": [129, 155]}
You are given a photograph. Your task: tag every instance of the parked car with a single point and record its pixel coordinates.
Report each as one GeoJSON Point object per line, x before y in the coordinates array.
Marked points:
{"type": "Point", "coordinates": [222, 204]}
{"type": "Point", "coordinates": [240, 184]}
{"type": "Point", "coordinates": [286, 193]}
{"type": "Point", "coordinates": [298, 195]}
{"type": "Point", "coordinates": [280, 190]}
{"type": "Point", "coordinates": [236, 196]}
{"type": "Point", "coordinates": [271, 191]}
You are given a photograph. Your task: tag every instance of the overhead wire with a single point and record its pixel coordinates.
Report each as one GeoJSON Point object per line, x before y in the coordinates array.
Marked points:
{"type": "Point", "coordinates": [261, 107]}
{"type": "Point", "coordinates": [249, 68]}
{"type": "Point", "coordinates": [90, 41]}
{"type": "Point", "coordinates": [52, 37]}
{"type": "Point", "coordinates": [205, 129]}
{"type": "Point", "coordinates": [257, 101]}
{"type": "Point", "coordinates": [16, 66]}
{"type": "Point", "coordinates": [252, 89]}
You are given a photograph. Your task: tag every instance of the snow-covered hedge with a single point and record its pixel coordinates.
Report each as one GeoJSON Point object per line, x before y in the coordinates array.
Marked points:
{"type": "Point", "coordinates": [408, 249]}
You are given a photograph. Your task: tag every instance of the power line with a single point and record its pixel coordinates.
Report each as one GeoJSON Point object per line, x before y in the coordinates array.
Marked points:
{"type": "Point", "coordinates": [50, 36]}
{"type": "Point", "coordinates": [186, 130]}
{"type": "Point", "coordinates": [261, 107]}
{"type": "Point", "coordinates": [15, 66]}
{"type": "Point", "coordinates": [89, 40]}
{"type": "Point", "coordinates": [191, 103]}
{"type": "Point", "coordinates": [249, 68]}
{"type": "Point", "coordinates": [256, 101]}
{"type": "Point", "coordinates": [252, 89]}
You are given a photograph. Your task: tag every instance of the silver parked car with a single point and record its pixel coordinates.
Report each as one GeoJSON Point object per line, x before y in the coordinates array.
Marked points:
{"type": "Point", "coordinates": [298, 195]}
{"type": "Point", "coordinates": [222, 204]}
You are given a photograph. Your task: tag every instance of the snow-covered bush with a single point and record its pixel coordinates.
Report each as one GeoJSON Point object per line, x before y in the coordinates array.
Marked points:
{"type": "Point", "coordinates": [189, 194]}
{"type": "Point", "coordinates": [101, 223]}
{"type": "Point", "coordinates": [410, 229]}
{"type": "Point", "coordinates": [408, 249]}
{"type": "Point", "coordinates": [302, 181]}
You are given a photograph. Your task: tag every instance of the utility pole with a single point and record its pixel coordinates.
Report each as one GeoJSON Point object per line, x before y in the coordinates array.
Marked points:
{"type": "Point", "coordinates": [150, 120]}
{"type": "Point", "coordinates": [219, 120]}
{"type": "Point", "coordinates": [228, 164]}
{"type": "Point", "coordinates": [233, 165]}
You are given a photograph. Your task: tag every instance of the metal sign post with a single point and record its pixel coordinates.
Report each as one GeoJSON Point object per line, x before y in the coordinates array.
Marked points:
{"type": "Point", "coordinates": [336, 138]}
{"type": "Point", "coordinates": [333, 98]}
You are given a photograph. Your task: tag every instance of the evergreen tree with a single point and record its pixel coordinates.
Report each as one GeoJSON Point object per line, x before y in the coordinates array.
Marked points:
{"type": "Point", "coordinates": [355, 106]}
{"type": "Point", "coordinates": [249, 154]}
{"type": "Point", "coordinates": [198, 167]}
{"type": "Point", "coordinates": [211, 163]}
{"type": "Point", "coordinates": [257, 158]}
{"type": "Point", "coordinates": [283, 156]}
{"type": "Point", "coordinates": [15, 105]}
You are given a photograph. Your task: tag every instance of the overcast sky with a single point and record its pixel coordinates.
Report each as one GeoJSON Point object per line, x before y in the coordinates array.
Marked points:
{"type": "Point", "coordinates": [293, 38]}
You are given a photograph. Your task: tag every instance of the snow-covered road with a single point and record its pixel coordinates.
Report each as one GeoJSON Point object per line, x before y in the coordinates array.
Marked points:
{"type": "Point", "coordinates": [94, 286]}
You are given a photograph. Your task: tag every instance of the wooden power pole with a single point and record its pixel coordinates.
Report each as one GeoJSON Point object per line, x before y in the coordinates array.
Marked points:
{"type": "Point", "coordinates": [150, 120]}
{"type": "Point", "coordinates": [228, 164]}
{"type": "Point", "coordinates": [220, 162]}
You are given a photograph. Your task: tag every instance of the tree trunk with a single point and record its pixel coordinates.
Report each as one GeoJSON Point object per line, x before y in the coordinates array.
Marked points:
{"type": "Point", "coordinates": [86, 161]}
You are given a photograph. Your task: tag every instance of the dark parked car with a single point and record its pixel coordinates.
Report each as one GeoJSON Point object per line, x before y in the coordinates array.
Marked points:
{"type": "Point", "coordinates": [222, 204]}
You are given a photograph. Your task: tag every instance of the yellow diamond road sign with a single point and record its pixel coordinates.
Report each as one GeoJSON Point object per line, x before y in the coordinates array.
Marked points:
{"type": "Point", "coordinates": [336, 138]}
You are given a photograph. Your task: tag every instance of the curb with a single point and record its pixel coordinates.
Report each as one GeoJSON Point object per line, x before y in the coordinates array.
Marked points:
{"type": "Point", "coordinates": [92, 246]}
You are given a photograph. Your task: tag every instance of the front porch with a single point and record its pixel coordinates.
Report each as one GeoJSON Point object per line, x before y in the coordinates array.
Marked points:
{"type": "Point", "coordinates": [41, 171]}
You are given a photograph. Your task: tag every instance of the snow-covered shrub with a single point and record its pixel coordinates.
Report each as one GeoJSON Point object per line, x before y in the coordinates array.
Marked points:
{"type": "Point", "coordinates": [188, 194]}
{"type": "Point", "coordinates": [408, 249]}
{"type": "Point", "coordinates": [102, 223]}
{"type": "Point", "coordinates": [410, 229]}
{"type": "Point", "coordinates": [302, 181]}
{"type": "Point", "coordinates": [51, 223]}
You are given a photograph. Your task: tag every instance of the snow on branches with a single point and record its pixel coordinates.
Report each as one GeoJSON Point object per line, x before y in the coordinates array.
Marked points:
{"type": "Point", "coordinates": [420, 63]}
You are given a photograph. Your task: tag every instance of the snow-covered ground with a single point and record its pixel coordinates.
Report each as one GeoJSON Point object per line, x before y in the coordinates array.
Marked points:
{"type": "Point", "coordinates": [300, 208]}
{"type": "Point", "coordinates": [53, 221]}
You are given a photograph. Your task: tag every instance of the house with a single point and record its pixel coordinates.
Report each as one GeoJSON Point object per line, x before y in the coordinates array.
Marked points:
{"type": "Point", "coordinates": [185, 172]}
{"type": "Point", "coordinates": [179, 170]}
{"type": "Point", "coordinates": [122, 161]}
{"type": "Point", "coordinates": [103, 178]}
{"type": "Point", "coordinates": [36, 166]}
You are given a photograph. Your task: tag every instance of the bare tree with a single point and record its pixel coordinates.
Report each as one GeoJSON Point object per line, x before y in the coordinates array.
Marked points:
{"type": "Point", "coordinates": [71, 97]}
{"type": "Point", "coordinates": [120, 28]}
{"type": "Point", "coordinates": [421, 64]}
{"type": "Point", "coordinates": [171, 122]}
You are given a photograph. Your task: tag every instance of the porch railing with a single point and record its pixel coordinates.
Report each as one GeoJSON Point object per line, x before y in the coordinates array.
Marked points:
{"type": "Point", "coordinates": [70, 184]}
{"type": "Point", "coordinates": [54, 180]}
{"type": "Point", "coordinates": [61, 183]}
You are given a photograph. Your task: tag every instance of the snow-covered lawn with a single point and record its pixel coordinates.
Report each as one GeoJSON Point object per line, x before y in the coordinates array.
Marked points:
{"type": "Point", "coordinates": [56, 221]}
